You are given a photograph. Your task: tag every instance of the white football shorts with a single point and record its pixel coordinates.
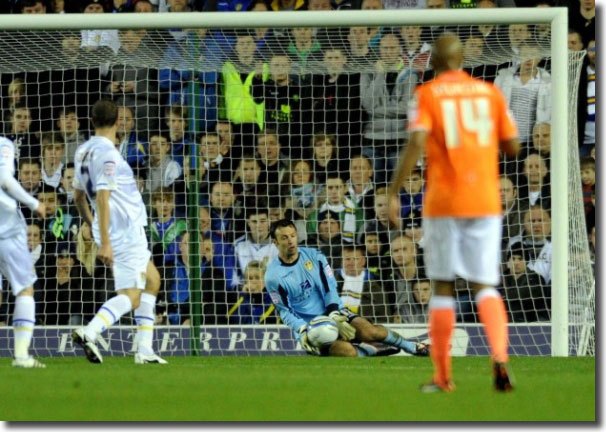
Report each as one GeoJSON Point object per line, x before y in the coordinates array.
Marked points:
{"type": "Point", "coordinates": [131, 258]}
{"type": "Point", "coordinates": [466, 247]}
{"type": "Point", "coordinates": [16, 263]}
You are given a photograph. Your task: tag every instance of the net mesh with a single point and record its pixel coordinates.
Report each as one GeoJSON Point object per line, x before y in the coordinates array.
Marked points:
{"type": "Point", "coordinates": [581, 279]}
{"type": "Point", "coordinates": [300, 123]}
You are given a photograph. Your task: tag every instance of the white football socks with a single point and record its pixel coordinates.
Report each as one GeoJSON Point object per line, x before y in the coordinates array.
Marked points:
{"type": "Point", "coordinates": [108, 314]}
{"type": "Point", "coordinates": [24, 318]}
{"type": "Point", "coordinates": [145, 317]}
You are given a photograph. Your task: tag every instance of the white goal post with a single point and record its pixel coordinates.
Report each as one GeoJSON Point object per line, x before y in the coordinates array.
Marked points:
{"type": "Point", "coordinates": [557, 18]}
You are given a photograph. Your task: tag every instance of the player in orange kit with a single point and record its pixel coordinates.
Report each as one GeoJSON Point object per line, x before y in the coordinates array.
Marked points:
{"type": "Point", "coordinates": [460, 123]}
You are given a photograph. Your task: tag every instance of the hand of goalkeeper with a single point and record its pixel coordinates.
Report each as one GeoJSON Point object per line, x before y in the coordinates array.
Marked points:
{"type": "Point", "coordinates": [342, 318]}
{"type": "Point", "coordinates": [307, 346]}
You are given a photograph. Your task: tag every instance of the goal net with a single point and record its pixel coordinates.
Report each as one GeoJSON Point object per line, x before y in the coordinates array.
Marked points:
{"type": "Point", "coordinates": [228, 130]}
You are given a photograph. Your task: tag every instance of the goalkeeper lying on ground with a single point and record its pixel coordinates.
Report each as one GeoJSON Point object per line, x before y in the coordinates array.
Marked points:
{"type": "Point", "coordinates": [302, 286]}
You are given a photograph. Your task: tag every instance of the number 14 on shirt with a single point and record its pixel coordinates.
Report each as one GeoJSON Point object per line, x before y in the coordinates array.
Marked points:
{"type": "Point", "coordinates": [464, 117]}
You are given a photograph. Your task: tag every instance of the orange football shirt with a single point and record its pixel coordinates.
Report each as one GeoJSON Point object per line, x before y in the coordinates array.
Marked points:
{"type": "Point", "coordinates": [465, 118]}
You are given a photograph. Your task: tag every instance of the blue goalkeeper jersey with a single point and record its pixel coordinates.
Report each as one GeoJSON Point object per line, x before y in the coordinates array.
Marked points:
{"type": "Point", "coordinates": [304, 289]}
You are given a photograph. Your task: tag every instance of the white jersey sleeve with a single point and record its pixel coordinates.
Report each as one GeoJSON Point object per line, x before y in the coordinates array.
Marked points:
{"type": "Point", "coordinates": [104, 170]}
{"type": "Point", "coordinates": [80, 170]}
{"type": "Point", "coordinates": [11, 192]}
{"type": "Point", "coordinates": [10, 187]}
{"type": "Point", "coordinates": [99, 166]}
{"type": "Point", "coordinates": [7, 156]}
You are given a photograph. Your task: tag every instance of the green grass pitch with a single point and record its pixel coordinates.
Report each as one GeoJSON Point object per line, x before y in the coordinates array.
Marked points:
{"type": "Point", "coordinates": [294, 388]}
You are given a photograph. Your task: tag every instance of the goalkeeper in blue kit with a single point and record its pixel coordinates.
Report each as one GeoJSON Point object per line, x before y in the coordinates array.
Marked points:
{"type": "Point", "coordinates": [302, 286]}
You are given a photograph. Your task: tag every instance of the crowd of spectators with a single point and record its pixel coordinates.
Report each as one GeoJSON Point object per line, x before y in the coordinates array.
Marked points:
{"type": "Point", "coordinates": [271, 123]}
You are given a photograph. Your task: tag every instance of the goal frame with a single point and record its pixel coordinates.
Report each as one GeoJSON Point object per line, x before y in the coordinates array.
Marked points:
{"type": "Point", "coordinates": [556, 17]}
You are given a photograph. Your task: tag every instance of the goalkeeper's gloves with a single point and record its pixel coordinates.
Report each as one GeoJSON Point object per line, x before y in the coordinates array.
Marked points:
{"type": "Point", "coordinates": [307, 346]}
{"type": "Point", "coordinates": [343, 318]}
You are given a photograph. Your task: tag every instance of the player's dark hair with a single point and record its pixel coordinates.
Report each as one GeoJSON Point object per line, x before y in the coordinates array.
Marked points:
{"type": "Point", "coordinates": [282, 223]}
{"type": "Point", "coordinates": [104, 113]}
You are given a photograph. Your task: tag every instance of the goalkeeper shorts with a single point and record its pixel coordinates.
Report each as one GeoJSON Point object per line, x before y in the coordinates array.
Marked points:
{"type": "Point", "coordinates": [466, 247]}
{"type": "Point", "coordinates": [16, 263]}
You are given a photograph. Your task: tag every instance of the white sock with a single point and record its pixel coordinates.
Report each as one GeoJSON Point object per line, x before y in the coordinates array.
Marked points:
{"type": "Point", "coordinates": [24, 318]}
{"type": "Point", "coordinates": [108, 314]}
{"type": "Point", "coordinates": [145, 317]}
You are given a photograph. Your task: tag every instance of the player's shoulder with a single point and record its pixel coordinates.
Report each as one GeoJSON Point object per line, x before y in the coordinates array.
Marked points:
{"type": "Point", "coordinates": [81, 149]}
{"type": "Point", "coordinates": [304, 250]}
{"type": "Point", "coordinates": [311, 253]}
{"type": "Point", "coordinates": [423, 92]}
{"type": "Point", "coordinates": [101, 145]}
{"type": "Point", "coordinates": [424, 87]}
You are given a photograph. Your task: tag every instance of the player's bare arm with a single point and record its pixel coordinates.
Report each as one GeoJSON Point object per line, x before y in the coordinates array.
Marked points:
{"type": "Point", "coordinates": [105, 253]}
{"type": "Point", "coordinates": [82, 206]}
{"type": "Point", "coordinates": [408, 161]}
{"type": "Point", "coordinates": [12, 188]}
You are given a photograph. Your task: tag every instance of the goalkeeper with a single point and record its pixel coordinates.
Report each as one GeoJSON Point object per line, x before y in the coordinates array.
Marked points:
{"type": "Point", "coordinates": [302, 286]}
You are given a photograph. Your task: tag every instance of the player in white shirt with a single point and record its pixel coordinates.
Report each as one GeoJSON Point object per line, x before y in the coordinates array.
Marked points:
{"type": "Point", "coordinates": [15, 260]}
{"type": "Point", "coordinates": [118, 227]}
